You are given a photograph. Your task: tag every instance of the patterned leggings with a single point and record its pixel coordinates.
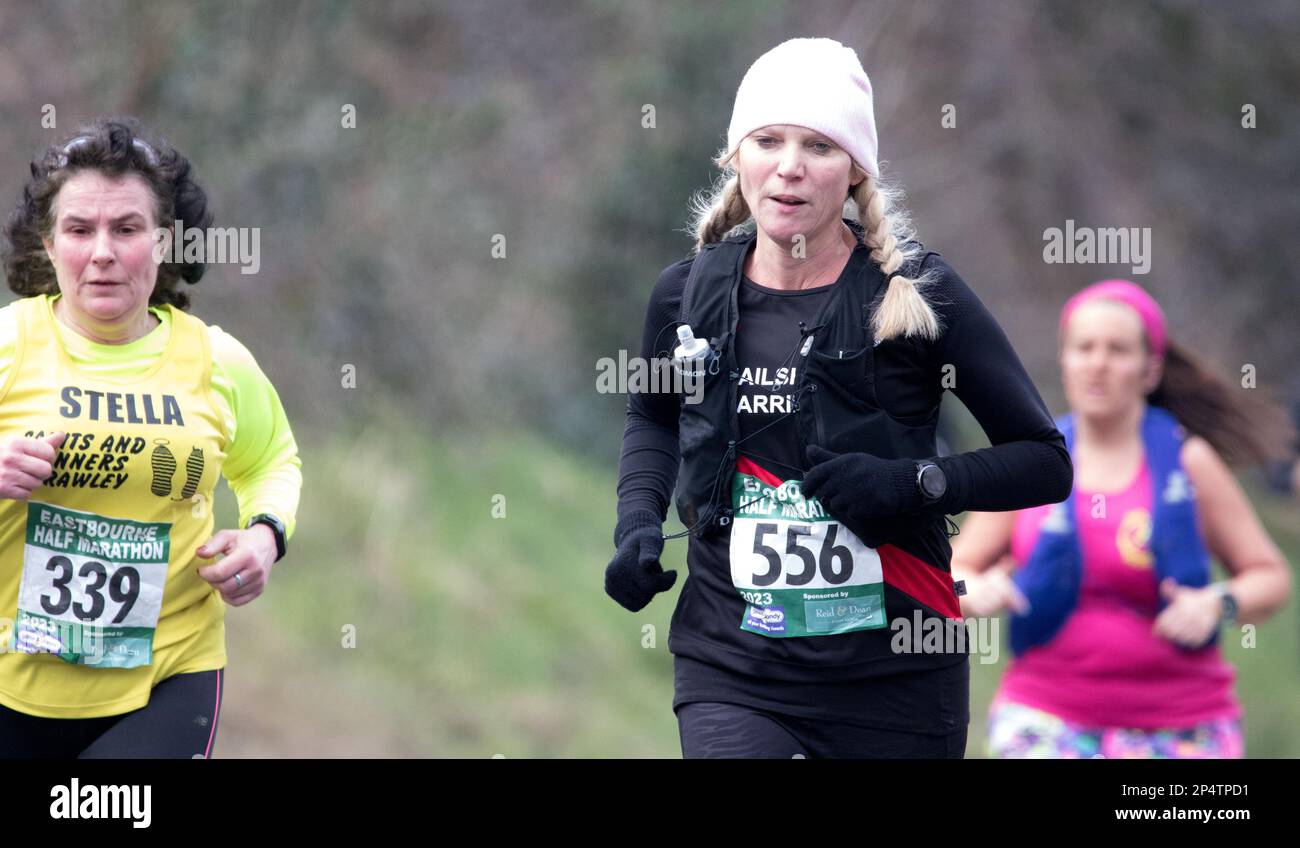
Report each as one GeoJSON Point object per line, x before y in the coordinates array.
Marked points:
{"type": "Point", "coordinates": [1016, 731]}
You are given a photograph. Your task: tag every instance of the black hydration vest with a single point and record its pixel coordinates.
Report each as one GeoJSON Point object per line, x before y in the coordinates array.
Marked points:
{"type": "Point", "coordinates": [835, 399]}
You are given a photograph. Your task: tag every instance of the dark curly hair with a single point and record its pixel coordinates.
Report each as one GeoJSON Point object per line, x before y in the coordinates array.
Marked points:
{"type": "Point", "coordinates": [114, 147]}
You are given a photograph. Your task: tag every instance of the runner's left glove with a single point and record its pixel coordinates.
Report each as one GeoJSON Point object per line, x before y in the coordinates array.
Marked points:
{"type": "Point", "coordinates": [859, 487]}
{"type": "Point", "coordinates": [635, 576]}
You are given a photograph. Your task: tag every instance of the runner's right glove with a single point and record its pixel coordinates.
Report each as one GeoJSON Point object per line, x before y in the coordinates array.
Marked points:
{"type": "Point", "coordinates": [635, 576]}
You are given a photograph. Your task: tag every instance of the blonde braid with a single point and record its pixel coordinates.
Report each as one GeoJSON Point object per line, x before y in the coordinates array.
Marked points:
{"type": "Point", "coordinates": [903, 311]}
{"type": "Point", "coordinates": [721, 213]}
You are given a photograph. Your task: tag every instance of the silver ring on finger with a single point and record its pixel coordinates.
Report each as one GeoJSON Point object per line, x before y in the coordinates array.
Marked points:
{"type": "Point", "coordinates": [239, 583]}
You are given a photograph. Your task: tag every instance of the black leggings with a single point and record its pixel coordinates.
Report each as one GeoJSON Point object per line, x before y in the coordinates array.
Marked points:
{"type": "Point", "coordinates": [179, 722]}
{"type": "Point", "coordinates": [712, 729]}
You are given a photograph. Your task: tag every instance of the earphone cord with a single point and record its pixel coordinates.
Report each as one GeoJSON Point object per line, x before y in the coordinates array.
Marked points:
{"type": "Point", "coordinates": [667, 354]}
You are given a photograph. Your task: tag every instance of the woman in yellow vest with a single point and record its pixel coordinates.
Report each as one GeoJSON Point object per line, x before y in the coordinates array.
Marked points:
{"type": "Point", "coordinates": [118, 413]}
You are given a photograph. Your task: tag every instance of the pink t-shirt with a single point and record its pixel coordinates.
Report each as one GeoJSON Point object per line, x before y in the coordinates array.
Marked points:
{"type": "Point", "coordinates": [1104, 667]}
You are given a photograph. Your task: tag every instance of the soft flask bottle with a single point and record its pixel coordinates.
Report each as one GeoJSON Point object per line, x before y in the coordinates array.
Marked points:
{"type": "Point", "coordinates": [691, 355]}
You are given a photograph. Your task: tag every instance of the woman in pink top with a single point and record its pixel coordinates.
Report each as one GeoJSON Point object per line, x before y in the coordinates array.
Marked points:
{"type": "Point", "coordinates": [1127, 664]}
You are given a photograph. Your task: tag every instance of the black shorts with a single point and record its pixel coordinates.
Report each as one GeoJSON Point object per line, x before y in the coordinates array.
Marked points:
{"type": "Point", "coordinates": [714, 730]}
{"type": "Point", "coordinates": [179, 722]}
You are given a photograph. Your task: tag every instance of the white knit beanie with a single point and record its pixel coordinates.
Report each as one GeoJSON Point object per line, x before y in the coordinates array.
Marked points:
{"type": "Point", "coordinates": [816, 83]}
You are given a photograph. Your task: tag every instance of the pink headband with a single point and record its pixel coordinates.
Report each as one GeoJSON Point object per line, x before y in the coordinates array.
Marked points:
{"type": "Point", "coordinates": [1153, 317]}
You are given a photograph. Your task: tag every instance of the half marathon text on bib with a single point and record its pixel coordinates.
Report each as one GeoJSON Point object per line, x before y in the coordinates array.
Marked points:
{"type": "Point", "coordinates": [92, 587]}
{"type": "Point", "coordinates": [801, 571]}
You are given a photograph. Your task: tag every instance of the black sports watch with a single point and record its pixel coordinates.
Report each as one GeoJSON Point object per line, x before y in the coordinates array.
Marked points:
{"type": "Point", "coordinates": [930, 482]}
{"type": "Point", "coordinates": [277, 527]}
{"type": "Point", "coordinates": [1229, 615]}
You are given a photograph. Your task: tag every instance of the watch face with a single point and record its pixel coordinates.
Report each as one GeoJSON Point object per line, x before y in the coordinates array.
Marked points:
{"type": "Point", "coordinates": [933, 482]}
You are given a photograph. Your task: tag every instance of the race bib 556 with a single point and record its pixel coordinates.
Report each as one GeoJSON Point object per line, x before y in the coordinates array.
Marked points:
{"type": "Point", "coordinates": [801, 572]}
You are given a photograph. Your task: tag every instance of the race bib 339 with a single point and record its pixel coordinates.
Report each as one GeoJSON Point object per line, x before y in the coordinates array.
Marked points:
{"type": "Point", "coordinates": [92, 587]}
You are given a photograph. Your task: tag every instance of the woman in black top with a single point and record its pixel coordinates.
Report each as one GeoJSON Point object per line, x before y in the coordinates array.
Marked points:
{"type": "Point", "coordinates": [819, 556]}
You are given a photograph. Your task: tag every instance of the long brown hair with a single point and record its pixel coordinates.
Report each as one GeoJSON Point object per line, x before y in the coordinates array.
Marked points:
{"type": "Point", "coordinates": [1244, 425]}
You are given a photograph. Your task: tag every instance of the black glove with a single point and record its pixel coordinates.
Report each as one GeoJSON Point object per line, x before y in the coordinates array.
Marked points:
{"type": "Point", "coordinates": [635, 576]}
{"type": "Point", "coordinates": [861, 489]}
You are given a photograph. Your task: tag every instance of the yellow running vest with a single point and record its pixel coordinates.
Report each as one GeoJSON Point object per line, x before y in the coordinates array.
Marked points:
{"type": "Point", "coordinates": [99, 584]}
